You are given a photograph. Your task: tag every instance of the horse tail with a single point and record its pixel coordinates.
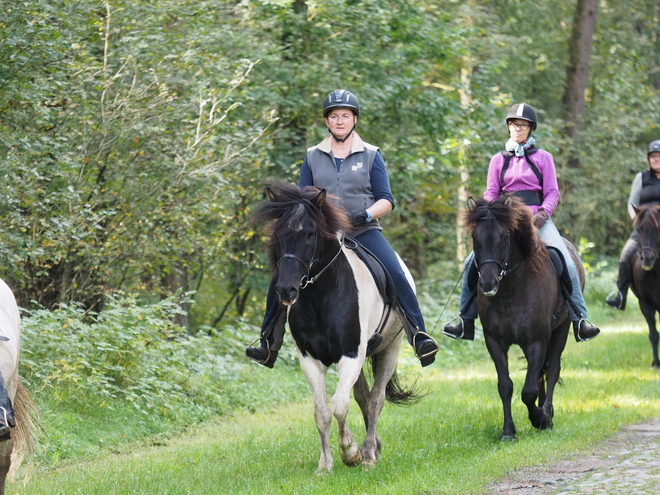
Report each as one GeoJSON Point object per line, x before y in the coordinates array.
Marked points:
{"type": "Point", "coordinates": [23, 433]}
{"type": "Point", "coordinates": [397, 393]}
{"type": "Point", "coordinates": [400, 395]}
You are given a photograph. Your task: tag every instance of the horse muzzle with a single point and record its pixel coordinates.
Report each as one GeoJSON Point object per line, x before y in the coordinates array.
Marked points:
{"type": "Point", "coordinates": [287, 296]}
{"type": "Point", "coordinates": [489, 289]}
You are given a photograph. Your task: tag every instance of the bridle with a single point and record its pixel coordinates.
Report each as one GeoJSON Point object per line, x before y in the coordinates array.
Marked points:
{"type": "Point", "coordinates": [501, 265]}
{"type": "Point", "coordinates": [306, 280]}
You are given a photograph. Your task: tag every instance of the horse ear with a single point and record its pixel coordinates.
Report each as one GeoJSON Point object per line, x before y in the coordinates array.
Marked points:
{"type": "Point", "coordinates": [270, 193]}
{"type": "Point", "coordinates": [636, 208]}
{"type": "Point", "coordinates": [320, 198]}
{"type": "Point", "coordinates": [472, 203]}
{"type": "Point", "coordinates": [508, 201]}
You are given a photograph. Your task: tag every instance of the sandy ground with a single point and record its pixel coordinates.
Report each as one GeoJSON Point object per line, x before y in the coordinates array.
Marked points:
{"type": "Point", "coordinates": [626, 464]}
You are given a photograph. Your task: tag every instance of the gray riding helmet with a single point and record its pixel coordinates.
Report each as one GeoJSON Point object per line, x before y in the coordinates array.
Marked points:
{"type": "Point", "coordinates": [341, 98]}
{"type": "Point", "coordinates": [654, 147]}
{"type": "Point", "coordinates": [522, 111]}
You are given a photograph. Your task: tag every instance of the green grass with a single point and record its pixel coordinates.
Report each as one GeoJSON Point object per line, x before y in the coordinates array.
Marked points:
{"type": "Point", "coordinates": [447, 444]}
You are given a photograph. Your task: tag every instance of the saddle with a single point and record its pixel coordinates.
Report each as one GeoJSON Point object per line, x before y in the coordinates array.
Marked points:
{"type": "Point", "coordinates": [378, 271]}
{"type": "Point", "coordinates": [385, 285]}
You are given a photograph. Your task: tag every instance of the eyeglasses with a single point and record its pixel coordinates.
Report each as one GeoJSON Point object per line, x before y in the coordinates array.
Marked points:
{"type": "Point", "coordinates": [523, 126]}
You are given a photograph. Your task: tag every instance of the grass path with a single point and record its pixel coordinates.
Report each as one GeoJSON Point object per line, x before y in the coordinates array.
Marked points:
{"type": "Point", "coordinates": [447, 444]}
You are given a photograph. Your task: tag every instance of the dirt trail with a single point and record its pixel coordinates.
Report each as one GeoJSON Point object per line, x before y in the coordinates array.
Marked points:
{"type": "Point", "coordinates": [628, 463]}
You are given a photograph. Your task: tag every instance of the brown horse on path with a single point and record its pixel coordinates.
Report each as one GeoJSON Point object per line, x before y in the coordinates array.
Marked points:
{"type": "Point", "coordinates": [520, 302]}
{"type": "Point", "coordinates": [646, 270]}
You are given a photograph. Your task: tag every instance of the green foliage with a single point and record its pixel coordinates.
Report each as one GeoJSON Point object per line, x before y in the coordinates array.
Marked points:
{"type": "Point", "coordinates": [136, 136]}
{"type": "Point", "coordinates": [129, 354]}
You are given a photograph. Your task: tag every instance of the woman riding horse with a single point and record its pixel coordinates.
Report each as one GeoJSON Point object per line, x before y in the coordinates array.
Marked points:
{"type": "Point", "coordinates": [527, 172]}
{"type": "Point", "coordinates": [645, 190]}
{"type": "Point", "coordinates": [353, 171]}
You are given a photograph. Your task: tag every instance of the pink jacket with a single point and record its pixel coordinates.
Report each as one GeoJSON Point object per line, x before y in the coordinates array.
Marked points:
{"type": "Point", "coordinates": [520, 177]}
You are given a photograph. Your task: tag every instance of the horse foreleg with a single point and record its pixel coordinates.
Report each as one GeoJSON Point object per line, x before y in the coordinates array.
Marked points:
{"type": "Point", "coordinates": [504, 383]}
{"type": "Point", "coordinates": [649, 315]}
{"type": "Point", "coordinates": [314, 371]}
{"type": "Point", "coordinates": [349, 370]}
{"type": "Point", "coordinates": [535, 355]}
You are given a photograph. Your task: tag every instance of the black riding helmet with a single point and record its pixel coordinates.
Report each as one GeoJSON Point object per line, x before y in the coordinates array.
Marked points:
{"type": "Point", "coordinates": [654, 147]}
{"type": "Point", "coordinates": [341, 98]}
{"type": "Point", "coordinates": [522, 111]}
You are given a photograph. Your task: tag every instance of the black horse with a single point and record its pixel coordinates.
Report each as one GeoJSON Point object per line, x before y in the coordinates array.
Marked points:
{"type": "Point", "coordinates": [520, 302]}
{"type": "Point", "coordinates": [646, 271]}
{"type": "Point", "coordinates": [334, 307]}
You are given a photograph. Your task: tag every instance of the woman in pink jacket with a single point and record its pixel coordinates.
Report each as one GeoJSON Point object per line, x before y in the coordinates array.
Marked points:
{"type": "Point", "coordinates": [528, 172]}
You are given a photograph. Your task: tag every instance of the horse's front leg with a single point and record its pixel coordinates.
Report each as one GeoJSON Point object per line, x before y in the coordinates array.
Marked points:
{"type": "Point", "coordinates": [649, 315]}
{"type": "Point", "coordinates": [349, 370]}
{"type": "Point", "coordinates": [535, 354]}
{"type": "Point", "coordinates": [315, 372]}
{"type": "Point", "coordinates": [500, 357]}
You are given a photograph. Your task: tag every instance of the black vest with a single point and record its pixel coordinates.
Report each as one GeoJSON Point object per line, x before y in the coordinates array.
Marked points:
{"type": "Point", "coordinates": [650, 189]}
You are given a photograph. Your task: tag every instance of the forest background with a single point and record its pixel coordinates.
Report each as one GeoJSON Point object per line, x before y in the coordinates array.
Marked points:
{"type": "Point", "coordinates": [135, 138]}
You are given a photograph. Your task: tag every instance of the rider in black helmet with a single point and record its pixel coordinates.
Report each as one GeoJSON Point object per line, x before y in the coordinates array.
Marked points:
{"type": "Point", "coordinates": [353, 171]}
{"type": "Point", "coordinates": [645, 189]}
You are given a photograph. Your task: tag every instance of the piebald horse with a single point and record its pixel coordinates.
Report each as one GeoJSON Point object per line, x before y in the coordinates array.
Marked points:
{"type": "Point", "coordinates": [16, 425]}
{"type": "Point", "coordinates": [334, 307]}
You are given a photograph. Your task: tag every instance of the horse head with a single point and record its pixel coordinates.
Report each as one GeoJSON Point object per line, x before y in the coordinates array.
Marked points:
{"type": "Point", "coordinates": [502, 235]}
{"type": "Point", "coordinates": [647, 225]}
{"type": "Point", "coordinates": [304, 221]}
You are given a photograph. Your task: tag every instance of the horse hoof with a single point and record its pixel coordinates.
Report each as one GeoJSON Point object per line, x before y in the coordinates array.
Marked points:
{"type": "Point", "coordinates": [508, 438]}
{"type": "Point", "coordinates": [356, 461]}
{"type": "Point", "coordinates": [368, 463]}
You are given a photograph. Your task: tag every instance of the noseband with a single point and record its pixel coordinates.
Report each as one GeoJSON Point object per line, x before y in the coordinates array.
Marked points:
{"type": "Point", "coordinates": [306, 280]}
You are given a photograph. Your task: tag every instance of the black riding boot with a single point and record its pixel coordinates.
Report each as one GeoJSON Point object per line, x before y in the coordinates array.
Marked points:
{"type": "Point", "coordinates": [618, 299]}
{"type": "Point", "coordinates": [464, 329]}
{"type": "Point", "coordinates": [584, 330]}
{"type": "Point", "coordinates": [271, 340]}
{"type": "Point", "coordinates": [424, 345]}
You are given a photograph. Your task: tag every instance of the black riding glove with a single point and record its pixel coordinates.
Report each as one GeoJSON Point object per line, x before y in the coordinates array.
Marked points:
{"type": "Point", "coordinates": [359, 217]}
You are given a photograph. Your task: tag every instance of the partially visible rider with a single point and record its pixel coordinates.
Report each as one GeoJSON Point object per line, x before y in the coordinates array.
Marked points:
{"type": "Point", "coordinates": [528, 172]}
{"type": "Point", "coordinates": [645, 190]}
{"type": "Point", "coordinates": [355, 172]}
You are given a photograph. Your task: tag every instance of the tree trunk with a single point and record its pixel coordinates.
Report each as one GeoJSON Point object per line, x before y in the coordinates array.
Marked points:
{"type": "Point", "coordinates": [577, 72]}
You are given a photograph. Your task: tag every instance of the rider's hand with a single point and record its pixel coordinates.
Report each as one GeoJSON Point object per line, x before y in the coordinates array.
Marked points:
{"type": "Point", "coordinates": [540, 218]}
{"type": "Point", "coordinates": [359, 217]}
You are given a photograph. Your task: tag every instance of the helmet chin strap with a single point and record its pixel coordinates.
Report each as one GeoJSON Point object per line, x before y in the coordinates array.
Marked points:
{"type": "Point", "coordinates": [341, 140]}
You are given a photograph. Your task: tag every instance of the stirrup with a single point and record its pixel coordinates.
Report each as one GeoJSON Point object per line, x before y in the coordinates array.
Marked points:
{"type": "Point", "coordinates": [267, 348]}
{"type": "Point", "coordinates": [5, 430]}
{"type": "Point", "coordinates": [577, 330]}
{"type": "Point", "coordinates": [618, 294]}
{"type": "Point", "coordinates": [428, 354]}
{"type": "Point", "coordinates": [451, 334]}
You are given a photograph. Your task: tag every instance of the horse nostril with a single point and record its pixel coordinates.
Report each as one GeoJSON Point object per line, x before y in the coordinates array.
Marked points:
{"type": "Point", "coordinates": [288, 296]}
